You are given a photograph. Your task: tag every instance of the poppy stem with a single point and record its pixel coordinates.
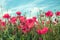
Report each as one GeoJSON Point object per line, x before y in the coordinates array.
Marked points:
{"type": "Point", "coordinates": [50, 21]}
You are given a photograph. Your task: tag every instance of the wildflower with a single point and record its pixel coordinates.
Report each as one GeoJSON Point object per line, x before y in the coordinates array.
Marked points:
{"type": "Point", "coordinates": [13, 20]}
{"type": "Point", "coordinates": [18, 13]}
{"type": "Point", "coordinates": [30, 23]}
{"type": "Point", "coordinates": [43, 31]}
{"type": "Point", "coordinates": [22, 19]}
{"type": "Point", "coordinates": [6, 16]}
{"type": "Point", "coordinates": [57, 13]}
{"type": "Point", "coordinates": [3, 23]}
{"type": "Point", "coordinates": [49, 14]}
{"type": "Point", "coordinates": [25, 29]}
{"type": "Point", "coordinates": [34, 18]}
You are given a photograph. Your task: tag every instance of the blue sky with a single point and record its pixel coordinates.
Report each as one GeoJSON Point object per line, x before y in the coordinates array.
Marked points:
{"type": "Point", "coordinates": [50, 4]}
{"type": "Point", "coordinates": [26, 5]}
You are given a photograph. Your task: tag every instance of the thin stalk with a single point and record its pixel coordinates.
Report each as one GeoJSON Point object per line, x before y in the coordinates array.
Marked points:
{"type": "Point", "coordinates": [50, 21]}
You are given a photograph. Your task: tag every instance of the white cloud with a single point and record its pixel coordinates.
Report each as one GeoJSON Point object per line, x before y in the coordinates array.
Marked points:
{"type": "Point", "coordinates": [29, 6]}
{"type": "Point", "coordinates": [3, 2]}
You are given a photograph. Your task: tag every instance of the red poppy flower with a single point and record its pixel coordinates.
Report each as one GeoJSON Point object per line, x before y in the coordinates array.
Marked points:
{"type": "Point", "coordinates": [43, 31]}
{"type": "Point", "coordinates": [3, 23]}
{"type": "Point", "coordinates": [57, 13]}
{"type": "Point", "coordinates": [6, 16]}
{"type": "Point", "coordinates": [30, 23]}
{"type": "Point", "coordinates": [22, 19]}
{"type": "Point", "coordinates": [25, 29]}
{"type": "Point", "coordinates": [34, 18]}
{"type": "Point", "coordinates": [49, 14]}
{"type": "Point", "coordinates": [18, 13]}
{"type": "Point", "coordinates": [13, 20]}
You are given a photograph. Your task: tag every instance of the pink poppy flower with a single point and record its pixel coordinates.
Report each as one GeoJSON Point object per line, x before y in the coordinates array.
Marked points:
{"type": "Point", "coordinates": [57, 13]}
{"type": "Point", "coordinates": [13, 20]}
{"type": "Point", "coordinates": [3, 23]}
{"type": "Point", "coordinates": [43, 31]}
{"type": "Point", "coordinates": [30, 23]}
{"type": "Point", "coordinates": [49, 14]}
{"type": "Point", "coordinates": [6, 16]}
{"type": "Point", "coordinates": [22, 19]}
{"type": "Point", "coordinates": [18, 13]}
